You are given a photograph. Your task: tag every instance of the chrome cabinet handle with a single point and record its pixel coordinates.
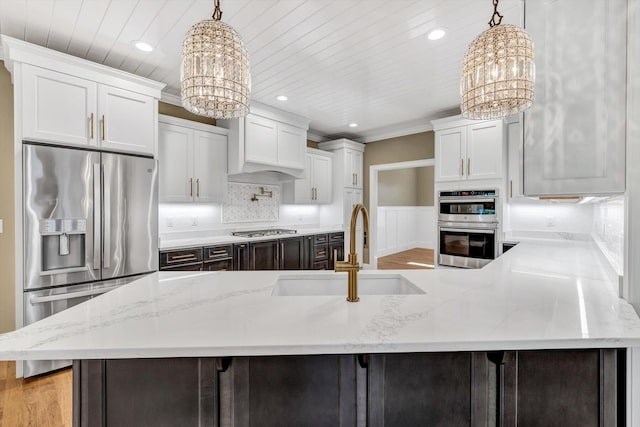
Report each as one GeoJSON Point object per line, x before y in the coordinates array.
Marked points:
{"type": "Point", "coordinates": [190, 187]}
{"type": "Point", "coordinates": [511, 189]}
{"type": "Point", "coordinates": [468, 166]}
{"type": "Point", "coordinates": [102, 127]}
{"type": "Point", "coordinates": [198, 187]}
{"type": "Point", "coordinates": [461, 167]}
{"type": "Point", "coordinates": [91, 128]}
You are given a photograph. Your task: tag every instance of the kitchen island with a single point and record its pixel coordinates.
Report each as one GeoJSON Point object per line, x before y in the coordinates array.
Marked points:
{"type": "Point", "coordinates": [537, 337]}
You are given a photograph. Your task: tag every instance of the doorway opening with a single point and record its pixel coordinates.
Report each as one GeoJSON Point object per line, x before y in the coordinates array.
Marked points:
{"type": "Point", "coordinates": [402, 215]}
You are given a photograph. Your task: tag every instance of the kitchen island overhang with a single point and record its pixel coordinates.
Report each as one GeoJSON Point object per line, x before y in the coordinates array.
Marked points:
{"type": "Point", "coordinates": [555, 296]}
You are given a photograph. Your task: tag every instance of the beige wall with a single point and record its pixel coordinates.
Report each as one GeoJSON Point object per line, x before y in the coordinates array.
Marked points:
{"type": "Point", "coordinates": [7, 250]}
{"type": "Point", "coordinates": [176, 111]}
{"type": "Point", "coordinates": [418, 146]}
{"type": "Point", "coordinates": [406, 187]}
{"type": "Point", "coordinates": [312, 144]}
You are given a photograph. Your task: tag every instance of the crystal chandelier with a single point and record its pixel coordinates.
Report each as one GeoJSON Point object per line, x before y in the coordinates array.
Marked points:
{"type": "Point", "coordinates": [214, 73]}
{"type": "Point", "coordinates": [498, 73]}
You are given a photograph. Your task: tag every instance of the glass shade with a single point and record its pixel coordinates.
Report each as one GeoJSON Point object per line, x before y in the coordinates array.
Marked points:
{"type": "Point", "coordinates": [215, 75]}
{"type": "Point", "coordinates": [498, 74]}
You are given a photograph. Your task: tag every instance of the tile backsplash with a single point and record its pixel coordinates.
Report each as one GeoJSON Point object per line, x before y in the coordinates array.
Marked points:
{"type": "Point", "coordinates": [251, 203]}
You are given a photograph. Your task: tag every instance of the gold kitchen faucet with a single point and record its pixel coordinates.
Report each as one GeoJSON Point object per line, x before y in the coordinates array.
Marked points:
{"type": "Point", "coordinates": [351, 266]}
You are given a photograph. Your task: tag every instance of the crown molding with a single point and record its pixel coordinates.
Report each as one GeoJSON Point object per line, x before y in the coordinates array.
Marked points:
{"type": "Point", "coordinates": [395, 131]}
{"type": "Point", "coordinates": [171, 99]}
{"type": "Point", "coordinates": [312, 135]}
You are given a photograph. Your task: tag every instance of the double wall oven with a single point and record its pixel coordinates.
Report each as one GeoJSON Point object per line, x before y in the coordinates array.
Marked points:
{"type": "Point", "coordinates": [467, 228]}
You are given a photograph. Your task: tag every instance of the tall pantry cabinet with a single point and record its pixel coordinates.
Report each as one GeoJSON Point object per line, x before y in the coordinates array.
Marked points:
{"type": "Point", "coordinates": [348, 180]}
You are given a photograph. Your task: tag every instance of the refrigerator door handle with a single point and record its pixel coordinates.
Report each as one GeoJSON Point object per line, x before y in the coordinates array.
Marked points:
{"type": "Point", "coordinates": [71, 295]}
{"type": "Point", "coordinates": [107, 216]}
{"type": "Point", "coordinates": [97, 203]}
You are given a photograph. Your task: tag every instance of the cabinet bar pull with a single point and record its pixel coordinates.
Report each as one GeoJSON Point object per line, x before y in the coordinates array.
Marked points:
{"type": "Point", "coordinates": [461, 167]}
{"type": "Point", "coordinates": [91, 128]}
{"type": "Point", "coordinates": [356, 178]}
{"type": "Point", "coordinates": [511, 188]}
{"type": "Point", "coordinates": [468, 166]}
{"type": "Point", "coordinates": [102, 128]}
{"type": "Point", "coordinates": [198, 187]}
{"type": "Point", "coordinates": [190, 187]}
{"type": "Point", "coordinates": [182, 256]}
{"type": "Point", "coordinates": [219, 251]}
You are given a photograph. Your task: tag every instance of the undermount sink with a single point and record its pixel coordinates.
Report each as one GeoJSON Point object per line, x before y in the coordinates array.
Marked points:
{"type": "Point", "coordinates": [336, 284]}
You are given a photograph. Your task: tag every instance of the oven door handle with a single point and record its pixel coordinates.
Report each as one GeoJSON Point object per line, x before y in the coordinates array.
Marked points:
{"type": "Point", "coordinates": [71, 295]}
{"type": "Point", "coordinates": [463, 200]}
{"type": "Point", "coordinates": [468, 230]}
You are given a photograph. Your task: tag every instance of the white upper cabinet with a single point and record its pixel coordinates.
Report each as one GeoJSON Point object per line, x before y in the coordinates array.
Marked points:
{"type": "Point", "coordinates": [58, 107]}
{"type": "Point", "coordinates": [353, 168]}
{"type": "Point", "coordinates": [71, 101]}
{"type": "Point", "coordinates": [127, 120]}
{"type": "Point", "coordinates": [515, 158]}
{"type": "Point", "coordinates": [469, 150]}
{"type": "Point", "coordinates": [192, 161]}
{"type": "Point", "coordinates": [315, 187]}
{"type": "Point", "coordinates": [574, 133]}
{"type": "Point", "coordinates": [267, 140]}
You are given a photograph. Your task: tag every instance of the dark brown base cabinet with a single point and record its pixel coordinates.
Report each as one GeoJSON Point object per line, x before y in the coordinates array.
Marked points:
{"type": "Point", "coordinates": [511, 388]}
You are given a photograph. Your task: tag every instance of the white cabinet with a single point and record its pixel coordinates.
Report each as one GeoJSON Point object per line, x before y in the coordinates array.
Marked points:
{"type": "Point", "coordinates": [192, 162]}
{"type": "Point", "coordinates": [353, 168]}
{"type": "Point", "coordinates": [515, 159]}
{"type": "Point", "coordinates": [64, 109]}
{"type": "Point", "coordinates": [267, 140]}
{"type": "Point", "coordinates": [574, 133]}
{"type": "Point", "coordinates": [469, 150]}
{"type": "Point", "coordinates": [315, 186]}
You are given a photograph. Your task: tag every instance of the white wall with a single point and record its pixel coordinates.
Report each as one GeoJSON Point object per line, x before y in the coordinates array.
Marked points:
{"type": "Point", "coordinates": [405, 227]}
{"type": "Point", "coordinates": [608, 230]}
{"type": "Point", "coordinates": [545, 216]}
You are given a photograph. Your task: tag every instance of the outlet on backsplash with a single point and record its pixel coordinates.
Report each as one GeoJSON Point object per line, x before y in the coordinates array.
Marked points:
{"type": "Point", "coordinates": [551, 221]}
{"type": "Point", "coordinates": [194, 221]}
{"type": "Point", "coordinates": [169, 222]}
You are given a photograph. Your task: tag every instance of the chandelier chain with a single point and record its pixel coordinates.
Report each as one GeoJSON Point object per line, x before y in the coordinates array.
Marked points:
{"type": "Point", "coordinates": [496, 18]}
{"type": "Point", "coordinates": [217, 12]}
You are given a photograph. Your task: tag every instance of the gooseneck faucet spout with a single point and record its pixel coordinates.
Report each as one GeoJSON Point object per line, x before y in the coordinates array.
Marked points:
{"type": "Point", "coordinates": [351, 266]}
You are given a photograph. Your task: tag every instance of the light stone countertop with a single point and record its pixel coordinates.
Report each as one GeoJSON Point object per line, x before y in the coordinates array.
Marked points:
{"type": "Point", "coordinates": [190, 242]}
{"type": "Point", "coordinates": [539, 295]}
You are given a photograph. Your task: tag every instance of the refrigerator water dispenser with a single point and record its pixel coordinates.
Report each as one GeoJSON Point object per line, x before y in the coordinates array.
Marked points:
{"type": "Point", "coordinates": [63, 244]}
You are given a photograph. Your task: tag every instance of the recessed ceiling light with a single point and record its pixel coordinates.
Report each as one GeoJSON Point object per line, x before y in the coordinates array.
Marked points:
{"type": "Point", "coordinates": [436, 34]}
{"type": "Point", "coordinates": [145, 47]}
{"type": "Point", "coordinates": [353, 125]}
{"type": "Point", "coordinates": [282, 98]}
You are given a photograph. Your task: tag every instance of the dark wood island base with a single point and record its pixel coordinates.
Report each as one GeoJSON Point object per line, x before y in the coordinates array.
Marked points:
{"type": "Point", "coordinates": [506, 388]}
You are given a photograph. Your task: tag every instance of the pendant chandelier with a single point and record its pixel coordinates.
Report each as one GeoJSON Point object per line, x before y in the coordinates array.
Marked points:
{"type": "Point", "coordinates": [214, 72]}
{"type": "Point", "coordinates": [498, 72]}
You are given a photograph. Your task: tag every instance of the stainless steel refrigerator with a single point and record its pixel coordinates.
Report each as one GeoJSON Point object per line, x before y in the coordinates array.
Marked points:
{"type": "Point", "coordinates": [90, 225]}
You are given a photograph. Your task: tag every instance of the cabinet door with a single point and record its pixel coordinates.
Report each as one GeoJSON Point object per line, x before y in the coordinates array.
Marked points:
{"type": "Point", "coordinates": [484, 150]}
{"type": "Point", "coordinates": [58, 107]}
{"type": "Point", "coordinates": [292, 254]}
{"type": "Point", "coordinates": [514, 152]}
{"type": "Point", "coordinates": [574, 133]}
{"type": "Point", "coordinates": [307, 247]}
{"type": "Point", "coordinates": [292, 143]}
{"type": "Point", "coordinates": [322, 179]}
{"type": "Point", "coordinates": [241, 257]}
{"type": "Point", "coordinates": [209, 166]}
{"type": "Point", "coordinates": [175, 158]}
{"type": "Point", "coordinates": [450, 153]}
{"type": "Point", "coordinates": [261, 140]}
{"type": "Point", "coordinates": [264, 255]}
{"type": "Point", "coordinates": [303, 188]}
{"type": "Point", "coordinates": [127, 120]}
{"type": "Point", "coordinates": [353, 168]}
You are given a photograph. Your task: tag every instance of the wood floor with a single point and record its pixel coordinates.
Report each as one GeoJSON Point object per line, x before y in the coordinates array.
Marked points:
{"type": "Point", "coordinates": [44, 401]}
{"type": "Point", "coordinates": [416, 258]}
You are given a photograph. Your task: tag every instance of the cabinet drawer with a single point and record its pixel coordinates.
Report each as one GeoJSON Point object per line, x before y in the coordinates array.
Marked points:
{"type": "Point", "coordinates": [218, 252]}
{"type": "Point", "coordinates": [183, 267]}
{"type": "Point", "coordinates": [334, 237]}
{"type": "Point", "coordinates": [223, 265]}
{"type": "Point", "coordinates": [320, 239]}
{"type": "Point", "coordinates": [182, 256]}
{"type": "Point", "coordinates": [320, 253]}
{"type": "Point", "coordinates": [321, 265]}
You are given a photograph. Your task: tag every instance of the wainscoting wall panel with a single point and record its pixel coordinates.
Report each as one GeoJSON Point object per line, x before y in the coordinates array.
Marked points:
{"type": "Point", "coordinates": [405, 227]}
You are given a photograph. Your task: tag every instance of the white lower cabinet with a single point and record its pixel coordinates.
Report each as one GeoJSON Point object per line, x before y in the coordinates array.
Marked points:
{"type": "Point", "coordinates": [315, 187]}
{"type": "Point", "coordinates": [192, 162]}
{"type": "Point", "coordinates": [64, 109]}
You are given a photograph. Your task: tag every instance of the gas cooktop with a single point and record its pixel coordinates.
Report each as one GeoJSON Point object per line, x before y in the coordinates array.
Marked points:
{"type": "Point", "coordinates": [261, 233]}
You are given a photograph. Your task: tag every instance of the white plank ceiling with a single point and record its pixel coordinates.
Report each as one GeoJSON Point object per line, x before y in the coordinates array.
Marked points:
{"type": "Point", "coordinates": [338, 61]}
